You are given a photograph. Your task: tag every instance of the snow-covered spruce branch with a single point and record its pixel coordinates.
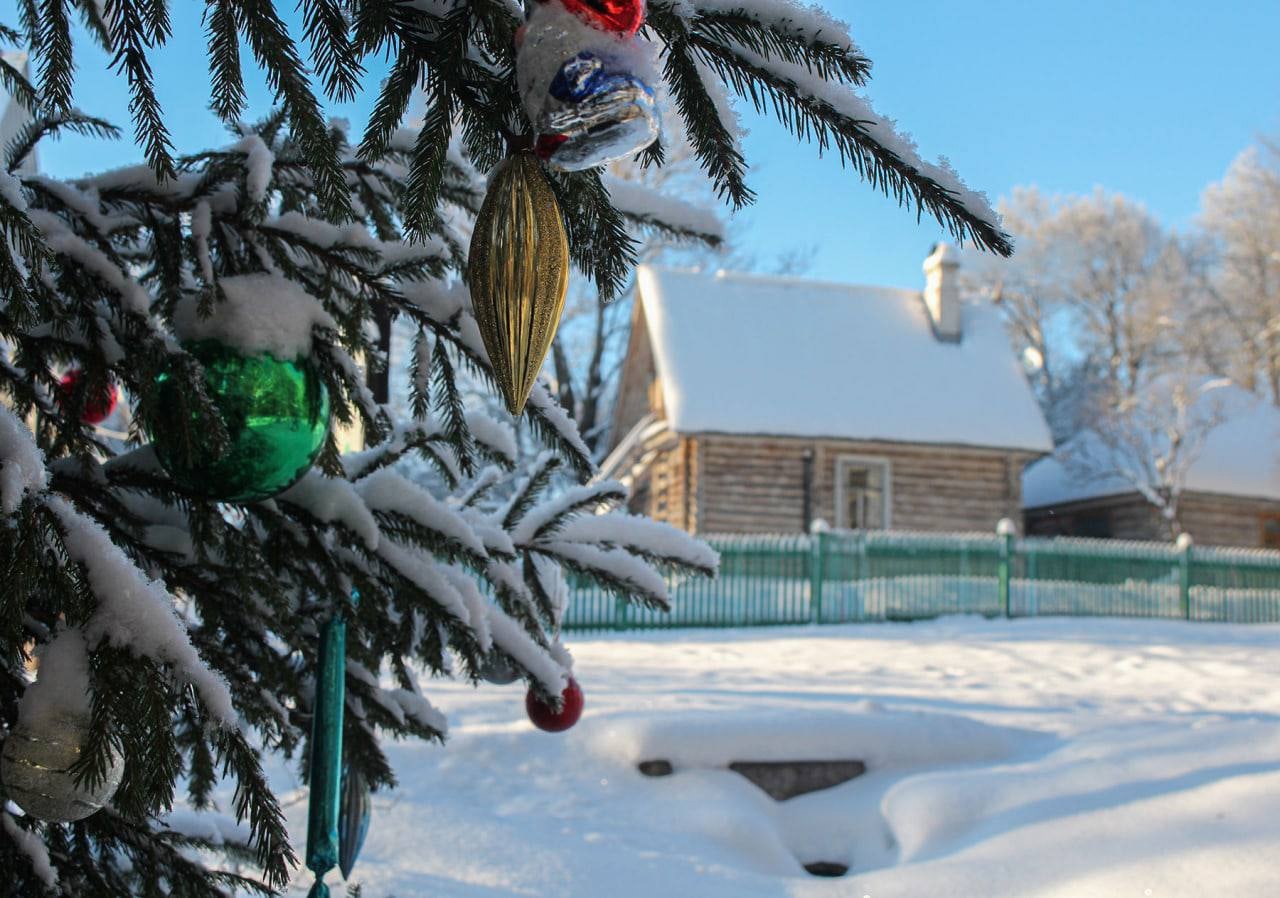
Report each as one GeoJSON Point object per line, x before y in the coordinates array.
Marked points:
{"type": "Point", "coordinates": [203, 619]}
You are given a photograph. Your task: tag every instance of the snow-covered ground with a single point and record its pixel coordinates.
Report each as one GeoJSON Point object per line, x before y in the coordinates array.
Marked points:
{"type": "Point", "coordinates": [1055, 758]}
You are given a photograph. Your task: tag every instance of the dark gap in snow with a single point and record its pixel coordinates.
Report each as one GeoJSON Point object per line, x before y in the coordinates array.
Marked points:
{"type": "Point", "coordinates": [655, 768]}
{"type": "Point", "coordinates": [787, 779]}
{"type": "Point", "coordinates": [827, 868]}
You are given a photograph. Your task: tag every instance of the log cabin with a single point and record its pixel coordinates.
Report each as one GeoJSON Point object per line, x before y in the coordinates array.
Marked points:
{"type": "Point", "coordinates": [755, 404]}
{"type": "Point", "coordinates": [1229, 487]}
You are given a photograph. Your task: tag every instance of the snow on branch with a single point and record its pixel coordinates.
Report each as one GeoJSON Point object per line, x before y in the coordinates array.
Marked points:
{"type": "Point", "coordinates": [22, 470]}
{"type": "Point", "coordinates": [614, 569]}
{"type": "Point", "coordinates": [427, 577]}
{"type": "Point", "coordinates": [515, 642]}
{"type": "Point", "coordinates": [259, 166]}
{"type": "Point", "coordinates": [654, 208]}
{"type": "Point", "coordinates": [801, 66]}
{"type": "Point", "coordinates": [642, 536]}
{"type": "Point", "coordinates": [133, 612]}
{"type": "Point", "coordinates": [331, 499]}
{"type": "Point", "coordinates": [387, 492]}
{"type": "Point", "coordinates": [207, 827]}
{"type": "Point", "coordinates": [31, 845]}
{"type": "Point", "coordinates": [63, 241]}
{"type": "Point", "coordinates": [551, 515]}
{"type": "Point", "coordinates": [258, 313]}
{"type": "Point", "coordinates": [802, 34]}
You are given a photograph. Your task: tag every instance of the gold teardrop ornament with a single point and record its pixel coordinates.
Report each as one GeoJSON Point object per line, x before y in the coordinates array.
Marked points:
{"type": "Point", "coordinates": [518, 269]}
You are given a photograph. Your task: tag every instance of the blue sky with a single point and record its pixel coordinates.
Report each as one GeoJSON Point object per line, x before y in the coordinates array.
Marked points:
{"type": "Point", "coordinates": [1149, 98]}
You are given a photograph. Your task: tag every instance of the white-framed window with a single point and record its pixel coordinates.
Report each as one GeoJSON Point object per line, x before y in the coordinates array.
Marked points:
{"type": "Point", "coordinates": [864, 493]}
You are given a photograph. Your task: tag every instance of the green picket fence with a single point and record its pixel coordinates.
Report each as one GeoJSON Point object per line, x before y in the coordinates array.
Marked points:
{"type": "Point", "coordinates": [844, 577]}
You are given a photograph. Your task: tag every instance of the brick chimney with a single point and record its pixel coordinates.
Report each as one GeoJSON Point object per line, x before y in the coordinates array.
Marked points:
{"type": "Point", "coordinates": [942, 291]}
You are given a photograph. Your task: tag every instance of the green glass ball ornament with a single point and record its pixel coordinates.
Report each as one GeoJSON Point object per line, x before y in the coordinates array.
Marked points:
{"type": "Point", "coordinates": [276, 414]}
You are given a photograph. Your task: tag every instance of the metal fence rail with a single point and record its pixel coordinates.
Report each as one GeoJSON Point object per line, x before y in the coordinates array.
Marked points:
{"type": "Point", "coordinates": [850, 576]}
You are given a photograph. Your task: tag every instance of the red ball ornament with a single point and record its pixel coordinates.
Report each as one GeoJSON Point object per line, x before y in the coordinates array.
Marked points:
{"type": "Point", "coordinates": [96, 408]}
{"type": "Point", "coordinates": [621, 16]}
{"type": "Point", "coordinates": [547, 718]}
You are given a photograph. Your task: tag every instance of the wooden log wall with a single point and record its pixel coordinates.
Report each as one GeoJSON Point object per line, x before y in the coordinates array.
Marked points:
{"type": "Point", "coordinates": [755, 484]}
{"type": "Point", "coordinates": [1212, 520]}
{"type": "Point", "coordinates": [1226, 520]}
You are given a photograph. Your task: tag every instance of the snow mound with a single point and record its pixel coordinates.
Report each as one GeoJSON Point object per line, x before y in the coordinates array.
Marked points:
{"type": "Point", "coordinates": [867, 732]}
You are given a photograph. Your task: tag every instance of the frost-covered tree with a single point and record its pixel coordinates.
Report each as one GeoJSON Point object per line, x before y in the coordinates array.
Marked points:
{"type": "Point", "coordinates": [1239, 330]}
{"type": "Point", "coordinates": [1092, 299]}
{"type": "Point", "coordinates": [196, 621]}
{"type": "Point", "coordinates": [1148, 442]}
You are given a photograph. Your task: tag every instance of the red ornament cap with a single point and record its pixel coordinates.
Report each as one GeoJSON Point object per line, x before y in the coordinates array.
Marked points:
{"type": "Point", "coordinates": [96, 409]}
{"type": "Point", "coordinates": [547, 718]}
{"type": "Point", "coordinates": [546, 145]}
{"type": "Point", "coordinates": [622, 16]}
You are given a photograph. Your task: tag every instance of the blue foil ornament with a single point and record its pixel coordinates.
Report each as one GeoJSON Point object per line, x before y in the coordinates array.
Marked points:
{"type": "Point", "coordinates": [353, 819]}
{"type": "Point", "coordinates": [596, 112]}
{"type": "Point", "coordinates": [326, 753]}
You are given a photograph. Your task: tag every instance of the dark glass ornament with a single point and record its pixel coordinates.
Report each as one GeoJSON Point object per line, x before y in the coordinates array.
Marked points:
{"type": "Point", "coordinates": [276, 414]}
{"type": "Point", "coordinates": [354, 816]}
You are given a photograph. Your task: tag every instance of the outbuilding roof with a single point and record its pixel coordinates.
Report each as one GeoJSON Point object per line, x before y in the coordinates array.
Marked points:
{"type": "Point", "coordinates": [1239, 457]}
{"type": "Point", "coordinates": [751, 354]}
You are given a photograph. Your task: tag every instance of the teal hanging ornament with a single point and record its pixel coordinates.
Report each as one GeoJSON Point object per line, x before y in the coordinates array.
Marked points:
{"type": "Point", "coordinates": [353, 819]}
{"type": "Point", "coordinates": [326, 753]}
{"type": "Point", "coordinates": [276, 414]}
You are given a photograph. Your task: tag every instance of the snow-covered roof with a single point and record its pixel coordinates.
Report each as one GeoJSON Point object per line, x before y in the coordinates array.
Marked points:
{"type": "Point", "coordinates": [750, 354]}
{"type": "Point", "coordinates": [1240, 457]}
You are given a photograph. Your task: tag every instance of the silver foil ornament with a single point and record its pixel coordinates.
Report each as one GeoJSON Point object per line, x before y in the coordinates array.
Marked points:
{"type": "Point", "coordinates": [35, 767]}
{"type": "Point", "coordinates": [497, 670]}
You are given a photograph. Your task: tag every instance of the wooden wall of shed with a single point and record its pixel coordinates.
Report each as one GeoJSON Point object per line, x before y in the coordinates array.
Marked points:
{"type": "Point", "coordinates": [1212, 520]}
{"type": "Point", "coordinates": [755, 484]}
{"type": "Point", "coordinates": [1226, 520]}
{"type": "Point", "coordinates": [1115, 517]}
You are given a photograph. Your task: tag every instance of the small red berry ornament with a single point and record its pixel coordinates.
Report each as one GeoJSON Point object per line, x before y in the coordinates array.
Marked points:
{"type": "Point", "coordinates": [96, 408]}
{"type": "Point", "coordinates": [619, 16]}
{"type": "Point", "coordinates": [547, 718]}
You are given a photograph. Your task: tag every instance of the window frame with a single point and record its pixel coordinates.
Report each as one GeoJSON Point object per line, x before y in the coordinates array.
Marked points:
{"type": "Point", "coordinates": [843, 462]}
{"type": "Point", "coordinates": [1267, 517]}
